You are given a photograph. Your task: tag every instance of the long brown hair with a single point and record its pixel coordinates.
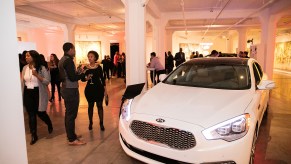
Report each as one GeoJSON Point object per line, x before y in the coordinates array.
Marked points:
{"type": "Point", "coordinates": [56, 59]}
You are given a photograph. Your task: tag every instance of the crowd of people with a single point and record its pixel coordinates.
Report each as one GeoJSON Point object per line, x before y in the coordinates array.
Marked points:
{"type": "Point", "coordinates": [178, 59]}
{"type": "Point", "coordinates": [37, 74]}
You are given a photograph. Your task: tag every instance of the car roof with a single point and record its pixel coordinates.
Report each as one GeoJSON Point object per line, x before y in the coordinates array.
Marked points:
{"type": "Point", "coordinates": [219, 61]}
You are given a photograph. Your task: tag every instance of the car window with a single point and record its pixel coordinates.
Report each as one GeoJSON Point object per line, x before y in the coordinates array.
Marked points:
{"type": "Point", "coordinates": [258, 73]}
{"type": "Point", "coordinates": [211, 76]}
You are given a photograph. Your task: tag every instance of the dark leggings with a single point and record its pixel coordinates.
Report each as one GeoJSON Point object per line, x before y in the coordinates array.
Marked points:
{"type": "Point", "coordinates": [53, 84]}
{"type": "Point", "coordinates": [100, 111]}
{"type": "Point", "coordinates": [30, 99]}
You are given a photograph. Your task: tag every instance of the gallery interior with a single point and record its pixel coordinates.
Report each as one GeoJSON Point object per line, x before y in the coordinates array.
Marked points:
{"type": "Point", "coordinates": [137, 28]}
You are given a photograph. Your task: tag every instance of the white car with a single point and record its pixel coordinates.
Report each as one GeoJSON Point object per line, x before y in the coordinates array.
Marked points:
{"type": "Point", "coordinates": [208, 110]}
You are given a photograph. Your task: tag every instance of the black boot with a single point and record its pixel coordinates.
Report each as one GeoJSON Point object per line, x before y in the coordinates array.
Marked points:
{"type": "Point", "coordinates": [90, 125]}
{"type": "Point", "coordinates": [50, 129]}
{"type": "Point", "coordinates": [34, 138]}
{"type": "Point", "coordinates": [102, 126]}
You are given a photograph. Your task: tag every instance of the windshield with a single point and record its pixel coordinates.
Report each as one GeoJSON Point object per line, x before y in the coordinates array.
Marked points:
{"type": "Point", "coordinates": [211, 76]}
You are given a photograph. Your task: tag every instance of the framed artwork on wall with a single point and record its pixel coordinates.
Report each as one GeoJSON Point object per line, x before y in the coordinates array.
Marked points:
{"type": "Point", "coordinates": [188, 48]}
{"type": "Point", "coordinates": [283, 56]}
{"type": "Point", "coordinates": [82, 49]}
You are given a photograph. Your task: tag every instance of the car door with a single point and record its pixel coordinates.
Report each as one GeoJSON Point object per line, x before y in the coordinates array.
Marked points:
{"type": "Point", "coordinates": [261, 94]}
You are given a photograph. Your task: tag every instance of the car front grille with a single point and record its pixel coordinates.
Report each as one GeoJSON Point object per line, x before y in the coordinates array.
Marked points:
{"type": "Point", "coordinates": [172, 137]}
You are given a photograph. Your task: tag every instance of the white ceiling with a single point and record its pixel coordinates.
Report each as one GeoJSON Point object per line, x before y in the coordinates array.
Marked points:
{"type": "Point", "coordinates": [108, 15]}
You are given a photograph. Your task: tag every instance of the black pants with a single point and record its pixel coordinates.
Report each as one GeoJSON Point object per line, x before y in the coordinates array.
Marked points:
{"type": "Point", "coordinates": [106, 73]}
{"type": "Point", "coordinates": [119, 69]}
{"type": "Point", "coordinates": [71, 97]}
{"type": "Point", "coordinates": [100, 111]}
{"type": "Point", "coordinates": [157, 74]}
{"type": "Point", "coordinates": [54, 84]}
{"type": "Point", "coordinates": [31, 102]}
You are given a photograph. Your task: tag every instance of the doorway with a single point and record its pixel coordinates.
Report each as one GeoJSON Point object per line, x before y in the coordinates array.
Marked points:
{"type": "Point", "coordinates": [113, 48]}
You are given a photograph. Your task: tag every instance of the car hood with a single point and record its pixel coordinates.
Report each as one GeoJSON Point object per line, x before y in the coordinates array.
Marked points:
{"type": "Point", "coordinates": [201, 106]}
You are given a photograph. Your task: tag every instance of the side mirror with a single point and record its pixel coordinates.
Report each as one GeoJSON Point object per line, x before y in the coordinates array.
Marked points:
{"type": "Point", "coordinates": [162, 77]}
{"type": "Point", "coordinates": [266, 84]}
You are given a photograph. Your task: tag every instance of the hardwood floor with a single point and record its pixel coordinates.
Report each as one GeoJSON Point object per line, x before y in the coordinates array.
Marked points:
{"type": "Point", "coordinates": [273, 145]}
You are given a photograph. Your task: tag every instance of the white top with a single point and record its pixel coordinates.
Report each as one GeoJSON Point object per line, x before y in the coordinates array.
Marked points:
{"type": "Point", "coordinates": [30, 80]}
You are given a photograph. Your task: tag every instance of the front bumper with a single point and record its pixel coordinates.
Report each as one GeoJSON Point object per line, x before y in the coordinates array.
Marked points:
{"type": "Point", "coordinates": [205, 151]}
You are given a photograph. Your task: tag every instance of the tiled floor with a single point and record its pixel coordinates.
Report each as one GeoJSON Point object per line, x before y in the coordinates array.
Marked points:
{"type": "Point", "coordinates": [273, 147]}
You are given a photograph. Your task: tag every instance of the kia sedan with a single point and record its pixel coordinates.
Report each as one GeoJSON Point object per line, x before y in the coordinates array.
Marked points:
{"type": "Point", "coordinates": [208, 110]}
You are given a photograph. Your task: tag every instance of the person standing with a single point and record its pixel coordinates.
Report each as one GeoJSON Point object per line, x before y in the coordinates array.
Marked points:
{"type": "Point", "coordinates": [35, 79]}
{"type": "Point", "coordinates": [170, 61]}
{"type": "Point", "coordinates": [123, 64]}
{"type": "Point", "coordinates": [55, 77]}
{"type": "Point", "coordinates": [115, 62]}
{"type": "Point", "coordinates": [95, 88]}
{"type": "Point", "coordinates": [179, 57]}
{"type": "Point", "coordinates": [69, 77]}
{"type": "Point", "coordinates": [106, 66]}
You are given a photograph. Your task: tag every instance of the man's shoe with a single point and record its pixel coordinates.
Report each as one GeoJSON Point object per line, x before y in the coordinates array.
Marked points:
{"type": "Point", "coordinates": [77, 143]}
{"type": "Point", "coordinates": [78, 136]}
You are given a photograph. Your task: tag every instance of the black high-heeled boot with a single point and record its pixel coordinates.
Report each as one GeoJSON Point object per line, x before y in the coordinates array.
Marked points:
{"type": "Point", "coordinates": [102, 126]}
{"type": "Point", "coordinates": [50, 129]}
{"type": "Point", "coordinates": [34, 138]}
{"type": "Point", "coordinates": [90, 126]}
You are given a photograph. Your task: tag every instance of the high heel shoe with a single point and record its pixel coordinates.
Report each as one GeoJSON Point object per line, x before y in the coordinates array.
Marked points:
{"type": "Point", "coordinates": [34, 138]}
{"type": "Point", "coordinates": [102, 126]}
{"type": "Point", "coordinates": [90, 126]}
{"type": "Point", "coordinates": [50, 129]}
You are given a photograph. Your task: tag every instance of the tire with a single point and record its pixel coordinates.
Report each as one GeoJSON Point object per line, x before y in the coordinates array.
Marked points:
{"type": "Point", "coordinates": [253, 148]}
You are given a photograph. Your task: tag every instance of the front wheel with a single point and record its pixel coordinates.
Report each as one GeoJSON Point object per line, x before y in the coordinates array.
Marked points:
{"type": "Point", "coordinates": [253, 149]}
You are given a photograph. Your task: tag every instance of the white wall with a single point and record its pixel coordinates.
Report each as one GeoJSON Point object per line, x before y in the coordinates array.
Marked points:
{"type": "Point", "coordinates": [22, 46]}
{"type": "Point", "coordinates": [12, 138]}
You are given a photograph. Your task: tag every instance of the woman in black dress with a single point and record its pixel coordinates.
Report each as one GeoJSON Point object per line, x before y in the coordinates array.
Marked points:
{"type": "Point", "coordinates": [95, 88]}
{"type": "Point", "coordinates": [55, 79]}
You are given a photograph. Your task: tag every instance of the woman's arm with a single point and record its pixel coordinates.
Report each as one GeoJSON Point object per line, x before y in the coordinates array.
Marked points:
{"type": "Point", "coordinates": [43, 75]}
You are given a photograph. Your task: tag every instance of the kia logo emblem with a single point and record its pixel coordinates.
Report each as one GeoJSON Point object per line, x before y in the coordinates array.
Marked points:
{"type": "Point", "coordinates": [160, 120]}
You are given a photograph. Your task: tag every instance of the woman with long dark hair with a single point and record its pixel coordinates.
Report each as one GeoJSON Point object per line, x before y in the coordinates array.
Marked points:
{"type": "Point", "coordinates": [35, 96]}
{"type": "Point", "coordinates": [55, 77]}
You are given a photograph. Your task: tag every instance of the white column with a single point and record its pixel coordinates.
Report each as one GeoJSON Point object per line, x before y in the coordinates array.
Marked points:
{"type": "Point", "coordinates": [70, 33]}
{"type": "Point", "coordinates": [12, 138]}
{"type": "Point", "coordinates": [268, 37]}
{"type": "Point", "coordinates": [169, 38]}
{"type": "Point", "coordinates": [242, 39]}
{"type": "Point", "coordinates": [161, 42]}
{"type": "Point", "coordinates": [135, 41]}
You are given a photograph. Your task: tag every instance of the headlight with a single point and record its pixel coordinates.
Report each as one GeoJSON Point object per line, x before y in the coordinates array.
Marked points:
{"type": "Point", "coordinates": [229, 130]}
{"type": "Point", "coordinates": [125, 110]}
